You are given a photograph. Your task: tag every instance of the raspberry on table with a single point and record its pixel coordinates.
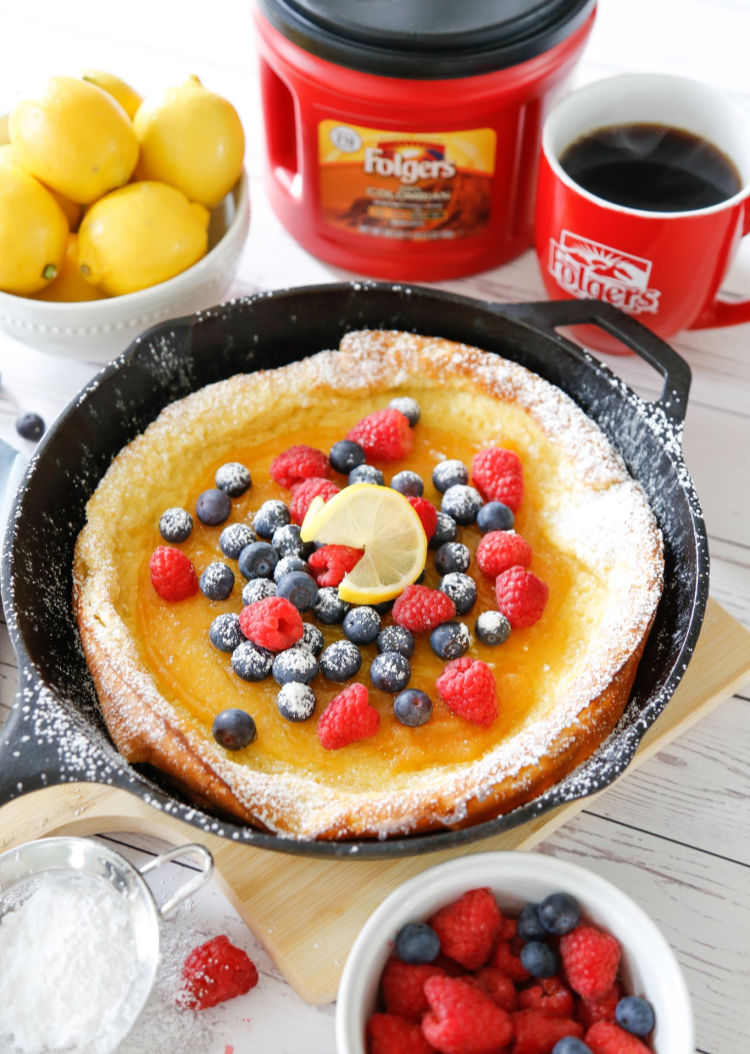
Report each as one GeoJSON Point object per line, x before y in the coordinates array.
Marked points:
{"type": "Point", "coordinates": [607, 1038]}
{"type": "Point", "coordinates": [497, 474]}
{"type": "Point", "coordinates": [304, 492]}
{"type": "Point", "coordinates": [521, 596]}
{"type": "Point", "coordinates": [420, 609]}
{"type": "Point", "coordinates": [468, 688]}
{"type": "Point", "coordinates": [347, 718]}
{"type": "Point", "coordinates": [273, 623]}
{"type": "Point", "coordinates": [391, 1034]}
{"type": "Point", "coordinates": [214, 972]}
{"type": "Point", "coordinates": [499, 550]}
{"type": "Point", "coordinates": [590, 960]}
{"type": "Point", "coordinates": [297, 463]}
{"type": "Point", "coordinates": [537, 1032]}
{"type": "Point", "coordinates": [463, 1019]}
{"type": "Point", "coordinates": [331, 563]}
{"type": "Point", "coordinates": [385, 435]}
{"type": "Point", "coordinates": [427, 513]}
{"type": "Point", "coordinates": [402, 986]}
{"type": "Point", "coordinates": [172, 573]}
{"type": "Point", "coordinates": [468, 927]}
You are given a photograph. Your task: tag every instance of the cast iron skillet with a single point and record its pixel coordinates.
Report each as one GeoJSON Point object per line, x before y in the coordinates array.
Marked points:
{"type": "Point", "coordinates": [54, 733]}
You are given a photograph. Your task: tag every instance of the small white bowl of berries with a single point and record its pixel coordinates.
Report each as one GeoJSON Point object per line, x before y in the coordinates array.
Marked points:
{"type": "Point", "coordinates": [511, 953]}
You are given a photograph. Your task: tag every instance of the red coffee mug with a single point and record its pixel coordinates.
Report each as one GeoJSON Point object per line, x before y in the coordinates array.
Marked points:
{"type": "Point", "coordinates": [665, 268]}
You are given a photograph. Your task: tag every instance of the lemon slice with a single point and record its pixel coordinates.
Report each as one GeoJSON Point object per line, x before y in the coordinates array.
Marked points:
{"type": "Point", "coordinates": [383, 523]}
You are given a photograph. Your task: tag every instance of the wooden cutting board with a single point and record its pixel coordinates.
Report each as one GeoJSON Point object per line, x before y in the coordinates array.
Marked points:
{"type": "Point", "coordinates": [307, 911]}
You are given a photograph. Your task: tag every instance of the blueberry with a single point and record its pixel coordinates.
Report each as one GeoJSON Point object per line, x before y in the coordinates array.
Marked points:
{"type": "Point", "coordinates": [571, 1045]}
{"type": "Point", "coordinates": [408, 483]}
{"type": "Point", "coordinates": [251, 662]}
{"type": "Point", "coordinates": [452, 556]}
{"type": "Point", "coordinates": [175, 525]}
{"type": "Point", "coordinates": [217, 581]}
{"type": "Point", "coordinates": [346, 455]}
{"type": "Point", "coordinates": [258, 559]}
{"type": "Point", "coordinates": [233, 729]}
{"type": "Point", "coordinates": [396, 638]}
{"type": "Point", "coordinates": [366, 474]}
{"type": "Point", "coordinates": [30, 426]}
{"type": "Point", "coordinates": [213, 507]}
{"type": "Point", "coordinates": [296, 701]}
{"type": "Point", "coordinates": [494, 516]}
{"type": "Point", "coordinates": [390, 671]}
{"type": "Point", "coordinates": [233, 478]}
{"type": "Point", "coordinates": [462, 503]}
{"type": "Point", "coordinates": [408, 407]}
{"type": "Point", "coordinates": [361, 625]}
{"type": "Point", "coordinates": [270, 515]}
{"type": "Point", "coordinates": [287, 542]}
{"type": "Point", "coordinates": [461, 588]}
{"type": "Point", "coordinates": [540, 959]}
{"type": "Point", "coordinates": [340, 660]}
{"type": "Point", "coordinates": [225, 633]}
{"type": "Point", "coordinates": [635, 1015]}
{"type": "Point", "coordinates": [492, 627]}
{"type": "Point", "coordinates": [559, 913]}
{"type": "Point", "coordinates": [258, 589]}
{"type": "Point", "coordinates": [297, 587]}
{"type": "Point", "coordinates": [383, 607]}
{"type": "Point", "coordinates": [528, 927]}
{"type": "Point", "coordinates": [329, 607]}
{"type": "Point", "coordinates": [412, 707]}
{"type": "Point", "coordinates": [294, 664]}
{"type": "Point", "coordinates": [449, 473]}
{"type": "Point", "coordinates": [450, 640]}
{"type": "Point", "coordinates": [417, 942]}
{"type": "Point", "coordinates": [311, 638]}
{"type": "Point", "coordinates": [288, 564]}
{"type": "Point", "coordinates": [234, 538]}
{"type": "Point", "coordinates": [446, 531]}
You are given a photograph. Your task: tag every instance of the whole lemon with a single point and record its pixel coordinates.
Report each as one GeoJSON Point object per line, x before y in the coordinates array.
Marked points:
{"type": "Point", "coordinates": [75, 138]}
{"type": "Point", "coordinates": [139, 235]}
{"type": "Point", "coordinates": [192, 139]}
{"type": "Point", "coordinates": [119, 89]}
{"type": "Point", "coordinates": [33, 233]}
{"type": "Point", "coordinates": [70, 286]}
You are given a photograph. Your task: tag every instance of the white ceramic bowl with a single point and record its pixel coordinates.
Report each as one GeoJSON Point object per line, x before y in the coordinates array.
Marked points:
{"type": "Point", "coordinates": [100, 329]}
{"type": "Point", "coordinates": [649, 966]}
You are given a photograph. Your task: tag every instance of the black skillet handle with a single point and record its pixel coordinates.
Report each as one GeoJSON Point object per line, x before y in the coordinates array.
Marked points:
{"type": "Point", "coordinates": [30, 753]}
{"type": "Point", "coordinates": [549, 314]}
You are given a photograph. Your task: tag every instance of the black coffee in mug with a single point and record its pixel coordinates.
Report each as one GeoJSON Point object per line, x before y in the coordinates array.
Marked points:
{"type": "Point", "coordinates": [651, 167]}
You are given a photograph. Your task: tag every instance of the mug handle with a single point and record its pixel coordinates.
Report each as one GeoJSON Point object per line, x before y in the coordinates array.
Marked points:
{"type": "Point", "coordinates": [726, 312]}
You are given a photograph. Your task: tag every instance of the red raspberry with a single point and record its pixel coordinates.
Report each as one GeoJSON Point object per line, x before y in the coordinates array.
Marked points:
{"type": "Point", "coordinates": [420, 609]}
{"type": "Point", "coordinates": [390, 1034]}
{"type": "Point", "coordinates": [469, 690]}
{"type": "Point", "coordinates": [304, 492]}
{"type": "Point", "coordinates": [463, 1020]}
{"type": "Point", "coordinates": [521, 596]}
{"type": "Point", "coordinates": [273, 623]}
{"type": "Point", "coordinates": [403, 986]}
{"type": "Point", "coordinates": [607, 1038]}
{"type": "Point", "coordinates": [330, 563]}
{"type": "Point", "coordinates": [498, 476]}
{"type": "Point", "coordinates": [297, 463]}
{"type": "Point", "coordinates": [347, 718]}
{"type": "Point", "coordinates": [600, 1008]}
{"type": "Point", "coordinates": [385, 435]}
{"type": "Point", "coordinates": [499, 550]}
{"type": "Point", "coordinates": [505, 958]}
{"type": "Point", "coordinates": [213, 972]}
{"type": "Point", "coordinates": [590, 960]}
{"type": "Point", "coordinates": [548, 995]}
{"type": "Point", "coordinates": [537, 1033]}
{"type": "Point", "coordinates": [498, 986]}
{"type": "Point", "coordinates": [172, 573]}
{"type": "Point", "coordinates": [427, 514]}
{"type": "Point", "coordinates": [468, 927]}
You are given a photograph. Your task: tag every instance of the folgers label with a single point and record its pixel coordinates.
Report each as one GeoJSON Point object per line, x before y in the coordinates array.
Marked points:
{"type": "Point", "coordinates": [406, 187]}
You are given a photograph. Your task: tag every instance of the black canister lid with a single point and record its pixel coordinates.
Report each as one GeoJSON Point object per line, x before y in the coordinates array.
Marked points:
{"type": "Point", "coordinates": [426, 39]}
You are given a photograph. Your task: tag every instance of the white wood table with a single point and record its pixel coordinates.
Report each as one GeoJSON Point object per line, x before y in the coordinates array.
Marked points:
{"type": "Point", "coordinates": [675, 834]}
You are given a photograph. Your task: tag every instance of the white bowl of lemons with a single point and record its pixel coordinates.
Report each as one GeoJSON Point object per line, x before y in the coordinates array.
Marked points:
{"type": "Point", "coordinates": [116, 212]}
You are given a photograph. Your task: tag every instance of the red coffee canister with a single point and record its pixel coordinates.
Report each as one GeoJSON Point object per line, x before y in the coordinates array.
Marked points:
{"type": "Point", "coordinates": [409, 150]}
